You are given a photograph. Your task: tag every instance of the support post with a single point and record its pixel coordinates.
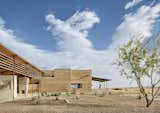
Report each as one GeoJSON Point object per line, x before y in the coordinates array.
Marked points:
{"type": "Point", "coordinates": [27, 86]}
{"type": "Point", "coordinates": [14, 86]}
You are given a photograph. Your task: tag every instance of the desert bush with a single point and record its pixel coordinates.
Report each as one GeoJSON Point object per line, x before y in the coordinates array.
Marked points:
{"type": "Point", "coordinates": [95, 93]}
{"type": "Point", "coordinates": [139, 97]}
{"type": "Point", "coordinates": [117, 89]}
{"type": "Point", "coordinates": [138, 59]}
{"type": "Point", "coordinates": [57, 98]}
{"type": "Point", "coordinates": [36, 100]}
{"type": "Point", "coordinates": [109, 93]}
{"type": "Point", "coordinates": [102, 94]}
{"type": "Point", "coordinates": [57, 94]}
{"type": "Point", "coordinates": [44, 93]}
{"type": "Point", "coordinates": [33, 98]}
{"type": "Point", "coordinates": [126, 89]}
{"type": "Point", "coordinates": [82, 93]}
{"type": "Point", "coordinates": [77, 97]}
{"type": "Point", "coordinates": [48, 95]}
{"type": "Point", "coordinates": [68, 94]}
{"type": "Point", "coordinates": [52, 94]}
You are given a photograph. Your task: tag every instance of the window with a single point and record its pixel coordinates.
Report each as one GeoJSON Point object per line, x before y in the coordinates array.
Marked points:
{"type": "Point", "coordinates": [76, 86]}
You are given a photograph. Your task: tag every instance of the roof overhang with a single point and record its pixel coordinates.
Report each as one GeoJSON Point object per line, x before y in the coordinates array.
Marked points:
{"type": "Point", "coordinates": [99, 79]}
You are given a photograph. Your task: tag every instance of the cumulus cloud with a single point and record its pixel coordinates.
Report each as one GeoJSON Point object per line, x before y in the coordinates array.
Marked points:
{"type": "Point", "coordinates": [75, 47]}
{"type": "Point", "coordinates": [73, 30]}
{"type": "Point", "coordinates": [142, 21]}
{"type": "Point", "coordinates": [2, 22]}
{"type": "Point", "coordinates": [132, 3]}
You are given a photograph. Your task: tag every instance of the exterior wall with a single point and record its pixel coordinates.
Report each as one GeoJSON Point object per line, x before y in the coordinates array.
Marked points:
{"type": "Point", "coordinates": [60, 80]}
{"type": "Point", "coordinates": [8, 87]}
{"type": "Point", "coordinates": [23, 85]}
{"type": "Point", "coordinates": [11, 85]}
{"type": "Point", "coordinates": [33, 88]}
{"type": "Point", "coordinates": [56, 81]}
{"type": "Point", "coordinates": [82, 77]}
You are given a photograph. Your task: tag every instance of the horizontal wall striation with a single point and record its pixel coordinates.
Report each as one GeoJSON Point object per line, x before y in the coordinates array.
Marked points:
{"type": "Point", "coordinates": [82, 77]}
{"type": "Point", "coordinates": [61, 80]}
{"type": "Point", "coordinates": [56, 81]}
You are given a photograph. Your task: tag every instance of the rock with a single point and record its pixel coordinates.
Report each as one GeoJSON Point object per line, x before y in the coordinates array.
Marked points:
{"type": "Point", "coordinates": [66, 101]}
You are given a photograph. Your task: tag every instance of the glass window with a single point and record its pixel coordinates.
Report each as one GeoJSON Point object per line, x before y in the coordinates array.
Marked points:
{"type": "Point", "coordinates": [76, 86]}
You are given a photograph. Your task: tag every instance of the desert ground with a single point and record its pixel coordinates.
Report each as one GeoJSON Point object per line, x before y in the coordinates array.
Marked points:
{"type": "Point", "coordinates": [113, 101]}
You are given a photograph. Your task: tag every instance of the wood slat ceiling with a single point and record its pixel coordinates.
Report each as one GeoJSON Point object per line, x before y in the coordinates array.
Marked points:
{"type": "Point", "coordinates": [12, 62]}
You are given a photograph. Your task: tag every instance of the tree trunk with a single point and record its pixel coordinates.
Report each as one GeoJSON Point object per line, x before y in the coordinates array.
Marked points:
{"type": "Point", "coordinates": [149, 102]}
{"type": "Point", "coordinates": [143, 92]}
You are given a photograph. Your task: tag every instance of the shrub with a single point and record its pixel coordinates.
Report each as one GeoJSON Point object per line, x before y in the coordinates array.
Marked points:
{"type": "Point", "coordinates": [139, 97]}
{"type": "Point", "coordinates": [44, 93]}
{"type": "Point", "coordinates": [109, 93]}
{"type": "Point", "coordinates": [57, 94]}
{"type": "Point", "coordinates": [47, 95]}
{"type": "Point", "coordinates": [57, 98]}
{"type": "Point", "coordinates": [102, 95]}
{"type": "Point", "coordinates": [68, 94]}
{"type": "Point", "coordinates": [95, 93]}
{"type": "Point", "coordinates": [52, 94]}
{"type": "Point", "coordinates": [117, 89]}
{"type": "Point", "coordinates": [37, 100]}
{"type": "Point", "coordinates": [82, 93]}
{"type": "Point", "coordinates": [77, 97]}
{"type": "Point", "coordinates": [33, 98]}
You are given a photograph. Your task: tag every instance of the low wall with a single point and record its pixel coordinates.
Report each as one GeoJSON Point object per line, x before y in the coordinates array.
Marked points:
{"type": "Point", "coordinates": [6, 88]}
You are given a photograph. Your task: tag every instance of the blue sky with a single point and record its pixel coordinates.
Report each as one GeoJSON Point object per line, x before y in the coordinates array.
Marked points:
{"type": "Point", "coordinates": [27, 18]}
{"type": "Point", "coordinates": [77, 34]}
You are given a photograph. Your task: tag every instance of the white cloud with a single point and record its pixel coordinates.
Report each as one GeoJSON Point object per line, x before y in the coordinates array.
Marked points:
{"type": "Point", "coordinates": [73, 30]}
{"type": "Point", "coordinates": [76, 49]}
{"type": "Point", "coordinates": [132, 3]}
{"type": "Point", "coordinates": [2, 22]}
{"type": "Point", "coordinates": [141, 21]}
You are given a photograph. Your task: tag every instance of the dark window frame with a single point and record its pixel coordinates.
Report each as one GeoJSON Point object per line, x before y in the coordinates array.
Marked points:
{"type": "Point", "coordinates": [76, 85]}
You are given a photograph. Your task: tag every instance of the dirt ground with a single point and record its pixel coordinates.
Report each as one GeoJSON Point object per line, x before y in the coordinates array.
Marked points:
{"type": "Point", "coordinates": [81, 104]}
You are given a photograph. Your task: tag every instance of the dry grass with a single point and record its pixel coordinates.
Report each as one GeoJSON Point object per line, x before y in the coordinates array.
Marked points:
{"type": "Point", "coordinates": [134, 91]}
{"type": "Point", "coordinates": [113, 103]}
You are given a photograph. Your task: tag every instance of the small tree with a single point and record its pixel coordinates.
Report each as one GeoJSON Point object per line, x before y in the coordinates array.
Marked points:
{"type": "Point", "coordinates": [136, 62]}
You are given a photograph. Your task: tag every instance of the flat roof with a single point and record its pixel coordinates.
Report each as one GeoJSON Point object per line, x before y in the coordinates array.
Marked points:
{"type": "Point", "coordinates": [99, 79]}
{"type": "Point", "coordinates": [71, 69]}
